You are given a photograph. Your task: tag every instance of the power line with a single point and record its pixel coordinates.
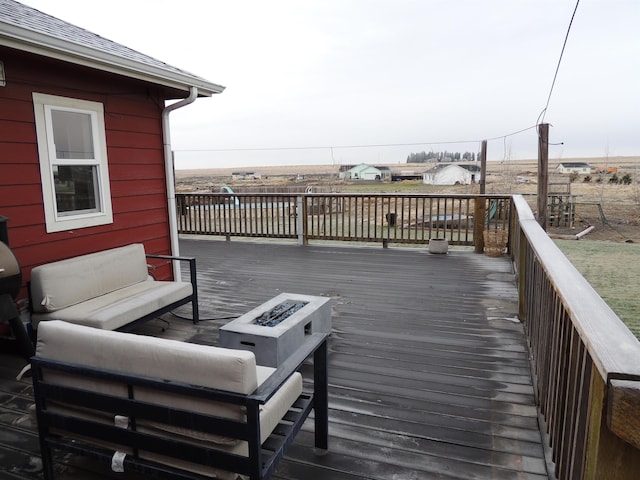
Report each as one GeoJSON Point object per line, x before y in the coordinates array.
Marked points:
{"type": "Point", "coordinates": [555, 76]}
{"type": "Point", "coordinates": [331, 147]}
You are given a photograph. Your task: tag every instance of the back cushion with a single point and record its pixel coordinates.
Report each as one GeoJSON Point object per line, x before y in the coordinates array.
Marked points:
{"type": "Point", "coordinates": [202, 365]}
{"type": "Point", "coordinates": [68, 282]}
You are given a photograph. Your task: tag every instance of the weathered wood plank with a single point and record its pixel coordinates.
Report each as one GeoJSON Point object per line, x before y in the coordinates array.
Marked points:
{"type": "Point", "coordinates": [624, 417]}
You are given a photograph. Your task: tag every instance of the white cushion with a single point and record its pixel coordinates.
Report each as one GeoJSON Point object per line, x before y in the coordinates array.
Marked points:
{"type": "Point", "coordinates": [120, 307]}
{"type": "Point", "coordinates": [68, 282]}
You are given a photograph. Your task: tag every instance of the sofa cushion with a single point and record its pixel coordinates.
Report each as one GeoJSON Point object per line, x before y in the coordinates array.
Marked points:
{"type": "Point", "coordinates": [64, 283]}
{"type": "Point", "coordinates": [120, 307]}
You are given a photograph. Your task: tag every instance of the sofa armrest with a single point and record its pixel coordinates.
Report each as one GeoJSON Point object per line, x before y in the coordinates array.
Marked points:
{"type": "Point", "coordinates": [316, 345]}
{"type": "Point", "coordinates": [311, 346]}
{"type": "Point", "coordinates": [192, 276]}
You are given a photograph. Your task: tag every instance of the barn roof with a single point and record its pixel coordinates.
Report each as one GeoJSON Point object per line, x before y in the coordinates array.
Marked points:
{"type": "Point", "coordinates": [575, 164]}
{"type": "Point", "coordinates": [442, 166]}
{"type": "Point", "coordinates": [28, 29]}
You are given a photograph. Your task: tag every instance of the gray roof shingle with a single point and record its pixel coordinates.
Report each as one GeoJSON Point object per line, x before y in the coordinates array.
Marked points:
{"type": "Point", "coordinates": [23, 24]}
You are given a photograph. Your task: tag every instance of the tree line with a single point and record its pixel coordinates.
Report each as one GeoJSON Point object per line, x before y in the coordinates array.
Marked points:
{"type": "Point", "coordinates": [424, 157]}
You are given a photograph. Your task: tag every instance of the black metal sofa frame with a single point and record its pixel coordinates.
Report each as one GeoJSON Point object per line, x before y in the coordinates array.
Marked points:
{"type": "Point", "coordinates": [193, 298]}
{"type": "Point", "coordinates": [259, 464]}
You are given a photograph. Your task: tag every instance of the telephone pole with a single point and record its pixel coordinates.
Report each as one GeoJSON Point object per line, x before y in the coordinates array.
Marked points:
{"type": "Point", "coordinates": [543, 173]}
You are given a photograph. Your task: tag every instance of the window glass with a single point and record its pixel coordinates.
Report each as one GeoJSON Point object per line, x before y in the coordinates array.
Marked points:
{"type": "Point", "coordinates": [76, 189]}
{"type": "Point", "coordinates": [72, 134]}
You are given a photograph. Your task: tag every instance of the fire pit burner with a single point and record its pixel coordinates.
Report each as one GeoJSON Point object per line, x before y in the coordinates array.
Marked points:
{"type": "Point", "coordinates": [279, 313]}
{"type": "Point", "coordinates": [277, 328]}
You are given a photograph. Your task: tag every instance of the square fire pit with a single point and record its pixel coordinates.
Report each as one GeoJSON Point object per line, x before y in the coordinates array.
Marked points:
{"type": "Point", "coordinates": [275, 329]}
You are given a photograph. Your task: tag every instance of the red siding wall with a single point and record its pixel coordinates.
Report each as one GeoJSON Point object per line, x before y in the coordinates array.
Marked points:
{"type": "Point", "coordinates": [134, 148]}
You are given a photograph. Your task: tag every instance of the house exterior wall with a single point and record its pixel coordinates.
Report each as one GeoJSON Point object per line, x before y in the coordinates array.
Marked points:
{"type": "Point", "coordinates": [132, 114]}
{"type": "Point", "coordinates": [371, 173]}
{"type": "Point", "coordinates": [365, 172]}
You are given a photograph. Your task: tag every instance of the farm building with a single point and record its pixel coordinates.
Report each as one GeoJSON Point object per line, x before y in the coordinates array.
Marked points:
{"type": "Point", "coordinates": [452, 174]}
{"type": "Point", "coordinates": [574, 167]}
{"type": "Point", "coordinates": [85, 154]}
{"type": "Point", "coordinates": [367, 172]}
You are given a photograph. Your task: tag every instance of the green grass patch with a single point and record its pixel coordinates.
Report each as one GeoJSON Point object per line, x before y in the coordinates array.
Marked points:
{"type": "Point", "coordinates": [613, 269]}
{"type": "Point", "coordinates": [401, 187]}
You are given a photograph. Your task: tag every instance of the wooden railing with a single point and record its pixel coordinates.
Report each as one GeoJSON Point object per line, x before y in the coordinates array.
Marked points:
{"type": "Point", "coordinates": [586, 362]}
{"type": "Point", "coordinates": [385, 218]}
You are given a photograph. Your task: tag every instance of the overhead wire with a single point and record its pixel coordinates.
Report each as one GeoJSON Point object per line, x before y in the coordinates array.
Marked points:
{"type": "Point", "coordinates": [331, 147]}
{"type": "Point", "coordinates": [555, 76]}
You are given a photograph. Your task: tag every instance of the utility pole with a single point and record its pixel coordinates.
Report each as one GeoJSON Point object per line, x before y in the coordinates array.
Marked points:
{"type": "Point", "coordinates": [543, 173]}
{"type": "Point", "coordinates": [483, 166]}
{"type": "Point", "coordinates": [480, 207]}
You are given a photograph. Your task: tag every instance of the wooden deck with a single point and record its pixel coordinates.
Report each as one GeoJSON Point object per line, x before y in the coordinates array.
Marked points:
{"type": "Point", "coordinates": [429, 373]}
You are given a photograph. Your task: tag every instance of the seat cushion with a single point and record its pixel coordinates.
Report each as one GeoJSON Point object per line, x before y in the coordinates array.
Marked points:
{"type": "Point", "coordinates": [120, 307]}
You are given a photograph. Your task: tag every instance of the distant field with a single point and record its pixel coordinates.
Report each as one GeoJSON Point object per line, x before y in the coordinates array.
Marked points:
{"type": "Point", "coordinates": [613, 269]}
{"type": "Point", "coordinates": [507, 167]}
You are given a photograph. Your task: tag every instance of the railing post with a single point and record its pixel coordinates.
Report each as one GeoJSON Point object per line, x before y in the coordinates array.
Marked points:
{"type": "Point", "coordinates": [607, 455]}
{"type": "Point", "coordinates": [479, 207]}
{"type": "Point", "coordinates": [301, 220]}
{"type": "Point", "coordinates": [521, 259]}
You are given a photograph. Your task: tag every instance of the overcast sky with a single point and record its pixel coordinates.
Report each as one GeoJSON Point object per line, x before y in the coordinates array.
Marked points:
{"type": "Point", "coordinates": [347, 73]}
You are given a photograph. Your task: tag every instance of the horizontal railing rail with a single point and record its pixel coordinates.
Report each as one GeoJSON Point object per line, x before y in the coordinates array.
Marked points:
{"type": "Point", "coordinates": [385, 218]}
{"type": "Point", "coordinates": [586, 362]}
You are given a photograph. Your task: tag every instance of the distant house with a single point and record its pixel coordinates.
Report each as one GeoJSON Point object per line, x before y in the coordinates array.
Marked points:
{"type": "Point", "coordinates": [245, 176]}
{"type": "Point", "coordinates": [85, 154]}
{"type": "Point", "coordinates": [452, 174]}
{"type": "Point", "coordinates": [368, 172]}
{"type": "Point", "coordinates": [343, 171]}
{"type": "Point", "coordinates": [581, 168]}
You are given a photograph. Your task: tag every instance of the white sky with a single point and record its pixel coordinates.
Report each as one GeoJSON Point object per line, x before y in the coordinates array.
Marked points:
{"type": "Point", "coordinates": [335, 73]}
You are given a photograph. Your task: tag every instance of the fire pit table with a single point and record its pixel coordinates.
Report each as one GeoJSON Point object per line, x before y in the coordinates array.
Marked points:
{"type": "Point", "coordinates": [275, 329]}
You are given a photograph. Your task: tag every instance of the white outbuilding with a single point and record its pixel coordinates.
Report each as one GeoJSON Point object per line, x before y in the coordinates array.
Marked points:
{"type": "Point", "coordinates": [581, 168]}
{"type": "Point", "coordinates": [452, 174]}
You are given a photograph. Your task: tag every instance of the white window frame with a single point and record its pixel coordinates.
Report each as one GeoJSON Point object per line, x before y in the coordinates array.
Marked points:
{"type": "Point", "coordinates": [55, 222]}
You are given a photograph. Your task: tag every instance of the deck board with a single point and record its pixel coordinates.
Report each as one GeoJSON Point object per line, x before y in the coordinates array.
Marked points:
{"type": "Point", "coordinates": [429, 374]}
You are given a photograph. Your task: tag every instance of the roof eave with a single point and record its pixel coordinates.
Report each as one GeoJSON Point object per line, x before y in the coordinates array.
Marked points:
{"type": "Point", "coordinates": [52, 47]}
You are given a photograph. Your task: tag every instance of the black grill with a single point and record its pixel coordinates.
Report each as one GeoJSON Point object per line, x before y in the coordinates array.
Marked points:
{"type": "Point", "coordinates": [10, 273]}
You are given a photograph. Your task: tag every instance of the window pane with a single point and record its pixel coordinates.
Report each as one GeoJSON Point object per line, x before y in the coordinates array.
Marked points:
{"type": "Point", "coordinates": [76, 189]}
{"type": "Point", "coordinates": [72, 134]}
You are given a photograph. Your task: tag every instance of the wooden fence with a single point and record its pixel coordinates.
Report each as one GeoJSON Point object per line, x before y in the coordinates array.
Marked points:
{"type": "Point", "coordinates": [385, 218]}
{"type": "Point", "coordinates": [586, 362]}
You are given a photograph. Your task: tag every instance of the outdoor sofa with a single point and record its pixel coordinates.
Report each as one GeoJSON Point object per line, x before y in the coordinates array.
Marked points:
{"type": "Point", "coordinates": [171, 409]}
{"type": "Point", "coordinates": [110, 290]}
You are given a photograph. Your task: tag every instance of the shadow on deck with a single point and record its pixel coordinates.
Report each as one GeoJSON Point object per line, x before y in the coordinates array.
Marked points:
{"type": "Point", "coordinates": [429, 375]}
